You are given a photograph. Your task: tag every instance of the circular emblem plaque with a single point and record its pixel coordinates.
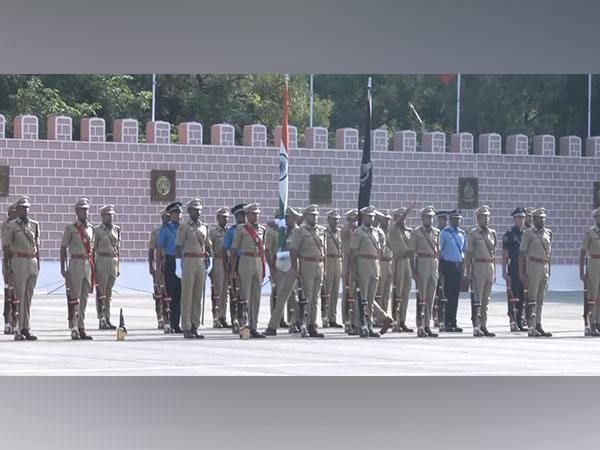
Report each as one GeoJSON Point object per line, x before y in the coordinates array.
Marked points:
{"type": "Point", "coordinates": [163, 185]}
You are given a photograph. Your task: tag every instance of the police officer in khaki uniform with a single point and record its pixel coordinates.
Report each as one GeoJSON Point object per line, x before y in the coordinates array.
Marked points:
{"type": "Point", "coordinates": [536, 243]}
{"type": "Point", "coordinates": [424, 246]}
{"type": "Point", "coordinates": [106, 263]}
{"type": "Point", "coordinates": [11, 215]}
{"type": "Point", "coordinates": [591, 276]}
{"type": "Point", "coordinates": [384, 286]}
{"type": "Point", "coordinates": [219, 283]}
{"type": "Point", "coordinates": [365, 253]}
{"type": "Point", "coordinates": [21, 263]}
{"type": "Point", "coordinates": [348, 287]}
{"type": "Point", "coordinates": [193, 245]}
{"type": "Point", "coordinates": [249, 239]}
{"type": "Point", "coordinates": [528, 218]}
{"type": "Point", "coordinates": [281, 267]}
{"type": "Point", "coordinates": [79, 239]}
{"type": "Point", "coordinates": [333, 267]}
{"type": "Point", "coordinates": [309, 247]}
{"type": "Point", "coordinates": [399, 238]}
{"type": "Point", "coordinates": [271, 247]}
{"type": "Point", "coordinates": [480, 268]}
{"type": "Point", "coordinates": [152, 258]}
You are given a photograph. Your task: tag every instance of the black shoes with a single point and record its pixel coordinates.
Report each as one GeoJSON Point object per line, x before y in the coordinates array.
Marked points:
{"type": "Point", "coordinates": [256, 334]}
{"type": "Point", "coordinates": [312, 332]}
{"type": "Point", "coordinates": [430, 333]}
{"type": "Point", "coordinates": [374, 334]}
{"type": "Point", "coordinates": [485, 332]}
{"type": "Point", "coordinates": [542, 332]}
{"type": "Point", "coordinates": [283, 324]}
{"type": "Point", "coordinates": [196, 334]}
{"type": "Point", "coordinates": [405, 329]}
{"type": "Point", "coordinates": [83, 335]}
{"type": "Point", "coordinates": [177, 329]}
{"type": "Point", "coordinates": [387, 323]}
{"type": "Point", "coordinates": [29, 336]}
{"type": "Point", "coordinates": [335, 325]}
{"type": "Point", "coordinates": [110, 325]}
{"type": "Point", "coordinates": [270, 332]}
{"type": "Point", "coordinates": [224, 323]}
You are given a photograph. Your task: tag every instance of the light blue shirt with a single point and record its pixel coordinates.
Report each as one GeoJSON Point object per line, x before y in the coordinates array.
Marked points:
{"type": "Point", "coordinates": [228, 239]}
{"type": "Point", "coordinates": [453, 244]}
{"type": "Point", "coordinates": [167, 236]}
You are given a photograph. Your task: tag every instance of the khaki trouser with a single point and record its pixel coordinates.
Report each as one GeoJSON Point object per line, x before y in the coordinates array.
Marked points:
{"type": "Point", "coordinates": [427, 276]}
{"type": "Point", "coordinates": [80, 275]}
{"type": "Point", "coordinates": [368, 278]}
{"type": "Point", "coordinates": [220, 287]}
{"type": "Point", "coordinates": [251, 277]}
{"type": "Point", "coordinates": [593, 281]}
{"type": "Point", "coordinates": [106, 275]}
{"type": "Point", "coordinates": [384, 286]}
{"type": "Point", "coordinates": [402, 283]}
{"type": "Point", "coordinates": [193, 277]}
{"type": "Point", "coordinates": [347, 280]}
{"type": "Point", "coordinates": [483, 279]}
{"type": "Point", "coordinates": [332, 285]}
{"type": "Point", "coordinates": [286, 284]}
{"type": "Point", "coordinates": [311, 273]}
{"type": "Point", "coordinates": [537, 282]}
{"type": "Point", "coordinates": [25, 273]}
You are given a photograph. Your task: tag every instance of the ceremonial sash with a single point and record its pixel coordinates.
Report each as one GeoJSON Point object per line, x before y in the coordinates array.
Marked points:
{"type": "Point", "coordinates": [258, 243]}
{"type": "Point", "coordinates": [88, 250]}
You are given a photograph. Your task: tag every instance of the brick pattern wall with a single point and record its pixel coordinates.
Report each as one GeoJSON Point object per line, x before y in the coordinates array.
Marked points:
{"type": "Point", "coordinates": [55, 173]}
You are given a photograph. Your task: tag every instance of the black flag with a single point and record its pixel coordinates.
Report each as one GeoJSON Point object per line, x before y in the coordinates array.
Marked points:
{"type": "Point", "coordinates": [366, 167]}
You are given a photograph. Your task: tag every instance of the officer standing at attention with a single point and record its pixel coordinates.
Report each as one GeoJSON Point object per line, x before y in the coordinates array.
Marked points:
{"type": "Point", "coordinates": [365, 253]}
{"type": "Point", "coordinates": [168, 256]}
{"type": "Point", "coordinates": [285, 276]}
{"type": "Point", "coordinates": [217, 275]}
{"type": "Point", "coordinates": [21, 263]}
{"type": "Point", "coordinates": [528, 218]}
{"type": "Point", "coordinates": [193, 246]}
{"type": "Point", "coordinates": [453, 244]}
{"type": "Point", "coordinates": [79, 239]}
{"type": "Point", "coordinates": [152, 258]}
{"type": "Point", "coordinates": [440, 300]}
{"type": "Point", "coordinates": [481, 268]}
{"type": "Point", "coordinates": [591, 277]}
{"type": "Point", "coordinates": [271, 247]}
{"type": "Point", "coordinates": [249, 239]}
{"type": "Point", "coordinates": [106, 263]}
{"type": "Point", "coordinates": [309, 247]}
{"type": "Point", "coordinates": [510, 269]}
{"type": "Point", "coordinates": [333, 265]}
{"type": "Point", "coordinates": [11, 215]}
{"type": "Point", "coordinates": [348, 288]}
{"type": "Point", "coordinates": [536, 243]}
{"type": "Point", "coordinates": [425, 248]}
{"type": "Point", "coordinates": [240, 218]}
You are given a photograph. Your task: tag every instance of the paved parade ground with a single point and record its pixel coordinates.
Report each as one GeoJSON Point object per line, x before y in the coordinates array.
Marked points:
{"type": "Point", "coordinates": [147, 351]}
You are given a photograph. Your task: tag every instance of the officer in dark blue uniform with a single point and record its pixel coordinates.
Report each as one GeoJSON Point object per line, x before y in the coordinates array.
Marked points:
{"type": "Point", "coordinates": [510, 270]}
{"type": "Point", "coordinates": [439, 301]}
{"type": "Point", "coordinates": [453, 245]}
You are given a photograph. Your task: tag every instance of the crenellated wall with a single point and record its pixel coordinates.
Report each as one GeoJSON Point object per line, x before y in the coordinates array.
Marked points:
{"type": "Point", "coordinates": [55, 172]}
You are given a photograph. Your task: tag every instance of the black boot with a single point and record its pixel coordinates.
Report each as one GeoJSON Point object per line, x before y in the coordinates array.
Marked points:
{"type": "Point", "coordinates": [335, 325]}
{"type": "Point", "coordinates": [283, 324]}
{"type": "Point", "coordinates": [430, 333]}
{"type": "Point", "coordinates": [485, 332]}
{"type": "Point", "coordinates": [196, 334]}
{"type": "Point", "coordinates": [312, 332]}
{"type": "Point", "coordinates": [84, 336]}
{"type": "Point", "coordinates": [270, 332]}
{"type": "Point", "coordinates": [29, 336]}
{"type": "Point", "coordinates": [256, 334]}
{"type": "Point", "coordinates": [404, 328]}
{"type": "Point", "coordinates": [542, 332]}
{"type": "Point", "coordinates": [224, 323]}
{"type": "Point", "coordinates": [110, 325]}
{"type": "Point", "coordinates": [374, 334]}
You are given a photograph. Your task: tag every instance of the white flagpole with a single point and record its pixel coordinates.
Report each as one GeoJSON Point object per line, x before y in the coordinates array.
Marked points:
{"type": "Point", "coordinates": [458, 104]}
{"type": "Point", "coordinates": [589, 105]}
{"type": "Point", "coordinates": [311, 100]}
{"type": "Point", "coordinates": [153, 96]}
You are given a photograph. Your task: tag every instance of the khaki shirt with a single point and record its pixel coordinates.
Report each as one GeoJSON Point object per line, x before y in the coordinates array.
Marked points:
{"type": "Point", "coordinates": [272, 241]}
{"type": "Point", "coordinates": [537, 243]}
{"type": "Point", "coordinates": [244, 242]}
{"type": "Point", "coordinates": [193, 237]}
{"type": "Point", "coordinates": [591, 241]}
{"type": "Point", "coordinates": [217, 234]}
{"type": "Point", "coordinates": [71, 238]}
{"type": "Point", "coordinates": [425, 241]}
{"type": "Point", "coordinates": [346, 237]}
{"type": "Point", "coordinates": [365, 241]}
{"type": "Point", "coordinates": [108, 240]}
{"type": "Point", "coordinates": [334, 242]}
{"type": "Point", "coordinates": [482, 243]}
{"type": "Point", "coordinates": [22, 237]}
{"type": "Point", "coordinates": [154, 237]}
{"type": "Point", "coordinates": [398, 239]}
{"type": "Point", "coordinates": [386, 250]}
{"type": "Point", "coordinates": [310, 242]}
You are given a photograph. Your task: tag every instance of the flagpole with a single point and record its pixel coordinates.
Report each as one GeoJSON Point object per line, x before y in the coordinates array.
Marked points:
{"type": "Point", "coordinates": [458, 104]}
{"type": "Point", "coordinates": [283, 164]}
{"type": "Point", "coordinates": [311, 99]}
{"type": "Point", "coordinates": [366, 166]}
{"type": "Point", "coordinates": [589, 105]}
{"type": "Point", "coordinates": [153, 96]}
